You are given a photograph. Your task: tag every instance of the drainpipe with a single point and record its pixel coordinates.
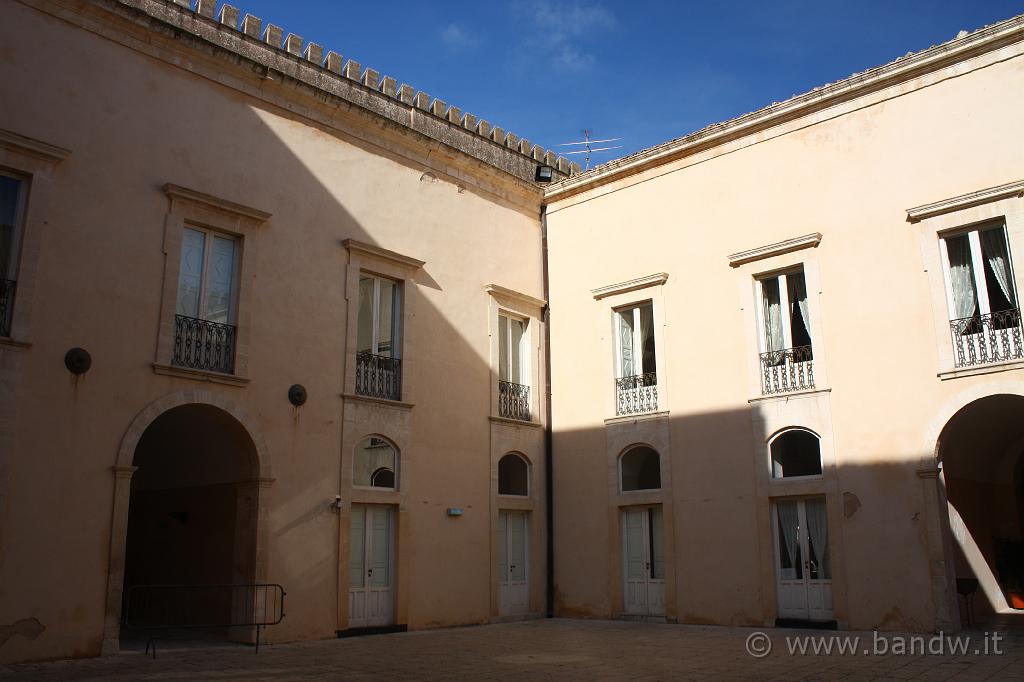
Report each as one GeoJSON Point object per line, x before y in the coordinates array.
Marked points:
{"type": "Point", "coordinates": [549, 507]}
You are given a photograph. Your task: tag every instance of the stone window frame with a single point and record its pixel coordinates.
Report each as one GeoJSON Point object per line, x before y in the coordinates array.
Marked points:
{"type": "Point", "coordinates": [35, 162]}
{"type": "Point", "coordinates": [614, 297]}
{"type": "Point", "coordinates": [530, 487]}
{"type": "Point", "coordinates": [380, 262]}
{"type": "Point", "coordinates": [189, 207]}
{"type": "Point", "coordinates": [770, 462]}
{"type": "Point", "coordinates": [513, 304]}
{"type": "Point", "coordinates": [620, 489]}
{"type": "Point", "coordinates": [750, 273]}
{"type": "Point", "coordinates": [944, 218]}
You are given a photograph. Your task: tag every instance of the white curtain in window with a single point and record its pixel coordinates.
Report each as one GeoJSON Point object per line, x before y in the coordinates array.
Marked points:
{"type": "Point", "coordinates": [626, 363]}
{"type": "Point", "coordinates": [993, 245]}
{"type": "Point", "coordinates": [789, 520]}
{"type": "Point", "coordinates": [817, 528]}
{"type": "Point", "coordinates": [798, 291]}
{"type": "Point", "coordinates": [961, 277]}
{"type": "Point", "coordinates": [772, 315]}
{"type": "Point", "coordinates": [647, 339]}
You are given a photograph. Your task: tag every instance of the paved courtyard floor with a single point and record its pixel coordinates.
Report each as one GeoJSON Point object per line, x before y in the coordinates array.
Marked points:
{"type": "Point", "coordinates": [559, 650]}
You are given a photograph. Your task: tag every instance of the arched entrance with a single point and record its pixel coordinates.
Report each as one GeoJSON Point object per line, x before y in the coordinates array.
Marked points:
{"type": "Point", "coordinates": [981, 449]}
{"type": "Point", "coordinates": [190, 501]}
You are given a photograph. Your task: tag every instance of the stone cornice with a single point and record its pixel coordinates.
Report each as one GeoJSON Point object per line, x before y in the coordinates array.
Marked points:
{"type": "Point", "coordinates": [496, 290]}
{"type": "Point", "coordinates": [279, 55]}
{"type": "Point", "coordinates": [373, 251]}
{"type": "Point", "coordinates": [656, 279]}
{"type": "Point", "coordinates": [982, 196]}
{"type": "Point", "coordinates": [912, 65]}
{"type": "Point", "coordinates": [32, 147]}
{"type": "Point", "coordinates": [178, 192]}
{"type": "Point", "coordinates": [768, 250]}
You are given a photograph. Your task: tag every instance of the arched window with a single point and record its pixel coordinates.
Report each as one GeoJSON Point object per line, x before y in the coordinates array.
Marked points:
{"type": "Point", "coordinates": [640, 469]}
{"type": "Point", "coordinates": [513, 475]}
{"type": "Point", "coordinates": [795, 452]}
{"type": "Point", "coordinates": [375, 464]}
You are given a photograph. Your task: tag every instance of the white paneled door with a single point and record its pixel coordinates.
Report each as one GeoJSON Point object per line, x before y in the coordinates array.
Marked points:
{"type": "Point", "coordinates": [371, 566]}
{"type": "Point", "coordinates": [803, 561]}
{"type": "Point", "coordinates": [513, 570]}
{"type": "Point", "coordinates": [643, 561]}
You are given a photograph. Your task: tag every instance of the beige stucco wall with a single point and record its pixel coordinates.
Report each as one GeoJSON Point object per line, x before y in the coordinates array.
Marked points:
{"type": "Point", "coordinates": [848, 170]}
{"type": "Point", "coordinates": [133, 123]}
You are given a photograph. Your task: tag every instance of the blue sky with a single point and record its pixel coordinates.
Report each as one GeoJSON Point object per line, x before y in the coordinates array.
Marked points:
{"type": "Point", "coordinates": [644, 71]}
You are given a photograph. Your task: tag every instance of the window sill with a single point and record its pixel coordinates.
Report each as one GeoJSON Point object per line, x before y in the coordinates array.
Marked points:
{"type": "Point", "coordinates": [981, 369]}
{"type": "Point", "coordinates": [8, 342]}
{"type": "Point", "coordinates": [788, 395]}
{"type": "Point", "coordinates": [360, 495]}
{"type": "Point", "coordinates": [378, 401]}
{"type": "Point", "coordinates": [515, 503]}
{"type": "Point", "coordinates": [200, 375]}
{"type": "Point", "coordinates": [644, 416]}
{"type": "Point", "coordinates": [516, 422]}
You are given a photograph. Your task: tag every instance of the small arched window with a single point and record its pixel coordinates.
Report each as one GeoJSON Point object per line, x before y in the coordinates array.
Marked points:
{"type": "Point", "coordinates": [513, 475]}
{"type": "Point", "coordinates": [375, 464]}
{"type": "Point", "coordinates": [795, 452]}
{"type": "Point", "coordinates": [640, 469]}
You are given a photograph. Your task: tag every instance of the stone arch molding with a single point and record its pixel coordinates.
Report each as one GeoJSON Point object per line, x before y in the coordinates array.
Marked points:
{"type": "Point", "coordinates": [930, 447]}
{"type": "Point", "coordinates": [149, 414]}
{"type": "Point", "coordinates": [123, 469]}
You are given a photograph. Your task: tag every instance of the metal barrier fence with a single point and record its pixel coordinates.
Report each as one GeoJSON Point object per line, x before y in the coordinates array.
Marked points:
{"type": "Point", "coordinates": [174, 607]}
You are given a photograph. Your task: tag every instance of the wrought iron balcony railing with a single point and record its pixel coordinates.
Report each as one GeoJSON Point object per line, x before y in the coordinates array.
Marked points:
{"type": "Point", "coordinates": [984, 339]}
{"type": "Point", "coordinates": [378, 376]}
{"type": "Point", "coordinates": [791, 369]}
{"type": "Point", "coordinates": [513, 401]}
{"type": "Point", "coordinates": [636, 394]}
{"type": "Point", "coordinates": [205, 345]}
{"type": "Point", "coordinates": [6, 305]}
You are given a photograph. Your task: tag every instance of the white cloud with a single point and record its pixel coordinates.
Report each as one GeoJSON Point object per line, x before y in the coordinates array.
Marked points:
{"type": "Point", "coordinates": [458, 38]}
{"type": "Point", "coordinates": [565, 29]}
{"type": "Point", "coordinates": [571, 19]}
{"type": "Point", "coordinates": [569, 58]}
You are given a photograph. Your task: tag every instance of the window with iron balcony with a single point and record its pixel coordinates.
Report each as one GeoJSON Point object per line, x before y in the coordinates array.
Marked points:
{"type": "Point", "coordinates": [12, 190]}
{"type": "Point", "coordinates": [513, 381]}
{"type": "Point", "coordinates": [205, 328]}
{"type": "Point", "coordinates": [985, 323]}
{"type": "Point", "coordinates": [378, 365]}
{"type": "Point", "coordinates": [636, 371]}
{"type": "Point", "coordinates": [786, 360]}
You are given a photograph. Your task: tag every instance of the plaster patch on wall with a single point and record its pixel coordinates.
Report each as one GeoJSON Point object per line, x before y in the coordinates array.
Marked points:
{"type": "Point", "coordinates": [851, 503]}
{"type": "Point", "coordinates": [30, 628]}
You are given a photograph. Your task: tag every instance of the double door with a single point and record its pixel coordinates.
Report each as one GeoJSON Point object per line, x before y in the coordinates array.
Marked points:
{"type": "Point", "coordinates": [643, 556]}
{"type": "Point", "coordinates": [513, 568]}
{"type": "Point", "coordinates": [371, 600]}
{"type": "Point", "coordinates": [802, 559]}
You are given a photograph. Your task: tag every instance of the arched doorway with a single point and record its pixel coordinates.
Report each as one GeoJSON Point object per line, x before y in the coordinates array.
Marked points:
{"type": "Point", "coordinates": [981, 450]}
{"type": "Point", "coordinates": [192, 517]}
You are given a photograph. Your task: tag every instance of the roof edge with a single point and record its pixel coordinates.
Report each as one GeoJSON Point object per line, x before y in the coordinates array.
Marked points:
{"type": "Point", "coordinates": [932, 58]}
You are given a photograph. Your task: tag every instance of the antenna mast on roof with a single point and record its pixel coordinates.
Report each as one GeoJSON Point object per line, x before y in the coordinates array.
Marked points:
{"type": "Point", "coordinates": [588, 146]}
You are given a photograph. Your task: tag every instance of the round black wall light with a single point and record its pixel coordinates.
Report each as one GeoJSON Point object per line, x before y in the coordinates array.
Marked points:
{"type": "Point", "coordinates": [297, 394]}
{"type": "Point", "coordinates": [78, 360]}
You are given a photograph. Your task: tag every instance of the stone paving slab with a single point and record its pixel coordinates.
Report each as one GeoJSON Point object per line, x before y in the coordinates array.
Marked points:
{"type": "Point", "coordinates": [549, 650]}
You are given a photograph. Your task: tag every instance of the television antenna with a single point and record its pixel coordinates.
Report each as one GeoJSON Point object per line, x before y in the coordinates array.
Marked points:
{"type": "Point", "coordinates": [588, 146]}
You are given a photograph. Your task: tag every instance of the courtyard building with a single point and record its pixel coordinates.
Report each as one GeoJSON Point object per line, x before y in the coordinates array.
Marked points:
{"type": "Point", "coordinates": [285, 341]}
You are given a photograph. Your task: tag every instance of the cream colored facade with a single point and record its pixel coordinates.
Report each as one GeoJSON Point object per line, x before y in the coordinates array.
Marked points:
{"type": "Point", "coordinates": [855, 185]}
{"type": "Point", "coordinates": [326, 177]}
{"type": "Point", "coordinates": [180, 122]}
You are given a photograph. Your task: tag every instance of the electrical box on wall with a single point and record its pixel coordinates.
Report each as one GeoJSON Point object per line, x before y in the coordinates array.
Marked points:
{"type": "Point", "coordinates": [454, 511]}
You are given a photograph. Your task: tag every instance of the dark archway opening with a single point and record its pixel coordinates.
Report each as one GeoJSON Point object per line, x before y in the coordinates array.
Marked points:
{"type": "Point", "coordinates": [981, 450]}
{"type": "Point", "coordinates": [191, 523]}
